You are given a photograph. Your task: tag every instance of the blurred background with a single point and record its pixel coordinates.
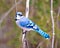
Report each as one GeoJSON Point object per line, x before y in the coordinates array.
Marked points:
{"type": "Point", "coordinates": [11, 34]}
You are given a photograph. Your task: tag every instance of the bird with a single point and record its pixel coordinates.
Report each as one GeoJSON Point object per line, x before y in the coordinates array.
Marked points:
{"type": "Point", "coordinates": [28, 25]}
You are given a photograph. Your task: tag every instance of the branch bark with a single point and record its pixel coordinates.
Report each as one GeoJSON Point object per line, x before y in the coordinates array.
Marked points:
{"type": "Point", "coordinates": [40, 43]}
{"type": "Point", "coordinates": [9, 11]}
{"type": "Point", "coordinates": [24, 40]}
{"type": "Point", "coordinates": [27, 8]}
{"type": "Point", "coordinates": [52, 24]}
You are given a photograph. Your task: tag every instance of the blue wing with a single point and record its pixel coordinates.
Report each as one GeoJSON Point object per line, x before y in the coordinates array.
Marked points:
{"type": "Point", "coordinates": [25, 22]}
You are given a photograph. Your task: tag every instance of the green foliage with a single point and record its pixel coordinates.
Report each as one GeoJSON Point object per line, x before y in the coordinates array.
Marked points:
{"type": "Point", "coordinates": [55, 3]}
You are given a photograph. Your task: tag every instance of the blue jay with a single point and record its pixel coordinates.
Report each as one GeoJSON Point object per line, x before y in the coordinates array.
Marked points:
{"type": "Point", "coordinates": [27, 25]}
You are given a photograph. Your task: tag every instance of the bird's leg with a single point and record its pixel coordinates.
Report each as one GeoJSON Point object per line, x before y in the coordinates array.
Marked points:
{"type": "Point", "coordinates": [24, 31]}
{"type": "Point", "coordinates": [23, 35]}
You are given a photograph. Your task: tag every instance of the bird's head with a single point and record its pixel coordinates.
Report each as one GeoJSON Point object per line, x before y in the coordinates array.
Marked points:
{"type": "Point", "coordinates": [18, 15]}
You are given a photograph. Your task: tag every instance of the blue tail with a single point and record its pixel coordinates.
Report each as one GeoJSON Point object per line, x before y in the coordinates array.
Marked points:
{"type": "Point", "coordinates": [42, 33]}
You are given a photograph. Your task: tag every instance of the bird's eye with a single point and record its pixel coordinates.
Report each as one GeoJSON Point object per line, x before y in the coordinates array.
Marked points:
{"type": "Point", "coordinates": [19, 14]}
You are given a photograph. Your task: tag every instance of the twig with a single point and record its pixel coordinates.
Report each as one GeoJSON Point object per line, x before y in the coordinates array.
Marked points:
{"type": "Point", "coordinates": [57, 17]}
{"type": "Point", "coordinates": [27, 8]}
{"type": "Point", "coordinates": [32, 8]}
{"type": "Point", "coordinates": [7, 13]}
{"type": "Point", "coordinates": [16, 5]}
{"type": "Point", "coordinates": [24, 40]}
{"type": "Point", "coordinates": [40, 43]}
{"type": "Point", "coordinates": [52, 24]}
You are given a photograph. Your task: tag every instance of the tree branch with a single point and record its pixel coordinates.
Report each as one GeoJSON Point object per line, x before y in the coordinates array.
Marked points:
{"type": "Point", "coordinates": [40, 43]}
{"type": "Point", "coordinates": [24, 40]}
{"type": "Point", "coordinates": [27, 8]}
{"type": "Point", "coordinates": [7, 13]}
{"type": "Point", "coordinates": [52, 24]}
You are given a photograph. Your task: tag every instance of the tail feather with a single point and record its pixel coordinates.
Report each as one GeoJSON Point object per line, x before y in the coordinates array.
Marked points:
{"type": "Point", "coordinates": [42, 33]}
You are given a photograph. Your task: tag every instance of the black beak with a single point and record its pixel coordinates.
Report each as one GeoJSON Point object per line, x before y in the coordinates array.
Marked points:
{"type": "Point", "coordinates": [15, 19]}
